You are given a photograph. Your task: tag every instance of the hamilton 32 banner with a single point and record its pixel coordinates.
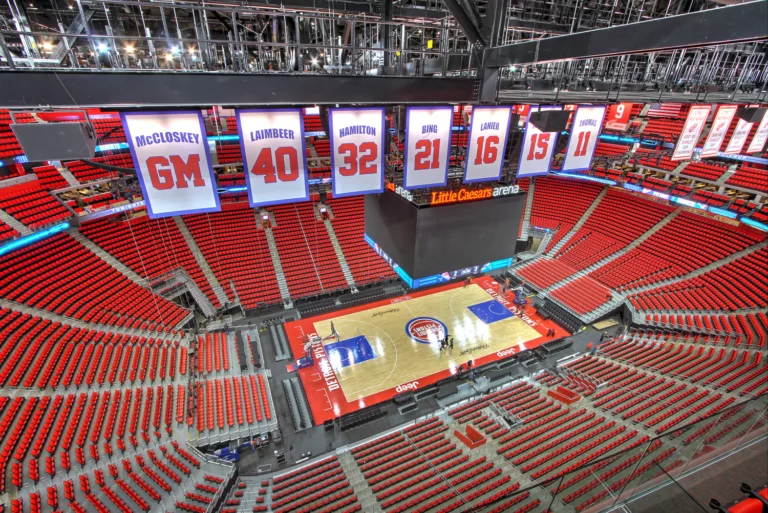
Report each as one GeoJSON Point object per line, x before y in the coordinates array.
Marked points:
{"type": "Point", "coordinates": [718, 130]}
{"type": "Point", "coordinates": [739, 137]}
{"type": "Point", "coordinates": [692, 128]}
{"type": "Point", "coordinates": [487, 142]}
{"type": "Point", "coordinates": [758, 141]}
{"type": "Point", "coordinates": [357, 150]}
{"type": "Point", "coordinates": [427, 146]}
{"type": "Point", "coordinates": [583, 139]}
{"type": "Point", "coordinates": [170, 152]}
{"type": "Point", "coordinates": [538, 149]}
{"type": "Point", "coordinates": [274, 157]}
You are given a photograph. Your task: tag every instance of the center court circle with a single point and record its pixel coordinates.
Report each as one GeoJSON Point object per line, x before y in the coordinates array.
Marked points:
{"type": "Point", "coordinates": [425, 329]}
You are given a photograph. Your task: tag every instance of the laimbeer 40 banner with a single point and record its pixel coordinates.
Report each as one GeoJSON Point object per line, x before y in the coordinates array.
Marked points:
{"type": "Point", "coordinates": [274, 156]}
{"type": "Point", "coordinates": [357, 150]}
{"type": "Point", "coordinates": [170, 152]}
{"type": "Point", "coordinates": [487, 142]}
{"type": "Point", "coordinates": [427, 146]}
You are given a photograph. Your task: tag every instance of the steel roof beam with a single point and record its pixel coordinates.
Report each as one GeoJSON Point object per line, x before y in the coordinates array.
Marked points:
{"type": "Point", "coordinates": [737, 23]}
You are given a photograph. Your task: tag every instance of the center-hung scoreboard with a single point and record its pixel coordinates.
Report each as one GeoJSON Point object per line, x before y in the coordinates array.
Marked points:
{"type": "Point", "coordinates": [174, 165]}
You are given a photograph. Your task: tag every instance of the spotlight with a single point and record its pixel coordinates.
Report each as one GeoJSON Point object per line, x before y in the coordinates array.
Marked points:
{"type": "Point", "coordinates": [168, 57]}
{"type": "Point", "coordinates": [175, 50]}
{"type": "Point", "coordinates": [128, 49]}
{"type": "Point", "coordinates": [47, 46]}
{"type": "Point", "coordinates": [102, 47]}
{"type": "Point", "coordinates": [314, 61]}
{"type": "Point", "coordinates": [191, 50]}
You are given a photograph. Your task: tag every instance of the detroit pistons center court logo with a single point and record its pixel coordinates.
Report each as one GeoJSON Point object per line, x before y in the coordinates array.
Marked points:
{"type": "Point", "coordinates": [426, 330]}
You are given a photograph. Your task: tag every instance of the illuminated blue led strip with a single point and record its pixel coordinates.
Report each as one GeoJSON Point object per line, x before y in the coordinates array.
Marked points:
{"type": "Point", "coordinates": [32, 238]}
{"type": "Point", "coordinates": [724, 213]}
{"type": "Point", "coordinates": [587, 178]}
{"type": "Point", "coordinates": [628, 140]}
{"type": "Point", "coordinates": [754, 224]}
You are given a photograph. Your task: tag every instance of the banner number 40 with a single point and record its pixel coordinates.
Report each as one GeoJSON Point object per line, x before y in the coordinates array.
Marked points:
{"type": "Point", "coordinates": [273, 169]}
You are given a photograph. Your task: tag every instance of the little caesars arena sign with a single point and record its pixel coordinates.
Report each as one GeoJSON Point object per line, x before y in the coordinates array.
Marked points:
{"type": "Point", "coordinates": [462, 195]}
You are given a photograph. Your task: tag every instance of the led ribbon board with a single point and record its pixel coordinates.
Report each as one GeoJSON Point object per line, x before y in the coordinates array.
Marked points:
{"type": "Point", "coordinates": [427, 146]}
{"type": "Point", "coordinates": [274, 156]}
{"type": "Point", "coordinates": [692, 128]}
{"type": "Point", "coordinates": [357, 150]}
{"type": "Point", "coordinates": [170, 153]}
{"type": "Point", "coordinates": [718, 130]}
{"type": "Point", "coordinates": [487, 141]}
{"type": "Point", "coordinates": [583, 139]}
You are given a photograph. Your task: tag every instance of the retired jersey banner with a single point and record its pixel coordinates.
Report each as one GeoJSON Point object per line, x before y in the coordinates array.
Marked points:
{"type": "Point", "coordinates": [274, 157]}
{"type": "Point", "coordinates": [719, 130]}
{"type": "Point", "coordinates": [739, 137]}
{"type": "Point", "coordinates": [170, 152]}
{"type": "Point", "coordinates": [758, 141]}
{"type": "Point", "coordinates": [427, 146]}
{"type": "Point", "coordinates": [618, 117]}
{"type": "Point", "coordinates": [692, 128]}
{"type": "Point", "coordinates": [585, 131]}
{"type": "Point", "coordinates": [538, 149]}
{"type": "Point", "coordinates": [487, 142]}
{"type": "Point", "coordinates": [357, 150]}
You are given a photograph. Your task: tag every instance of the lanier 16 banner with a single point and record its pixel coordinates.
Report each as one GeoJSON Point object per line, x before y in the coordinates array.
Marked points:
{"type": "Point", "coordinates": [357, 150]}
{"type": "Point", "coordinates": [583, 140]}
{"type": "Point", "coordinates": [718, 130]}
{"type": "Point", "coordinates": [427, 146]}
{"type": "Point", "coordinates": [170, 152]}
{"type": "Point", "coordinates": [538, 149]}
{"type": "Point", "coordinates": [487, 141]}
{"type": "Point", "coordinates": [694, 124]}
{"type": "Point", "coordinates": [758, 141]}
{"type": "Point", "coordinates": [272, 142]}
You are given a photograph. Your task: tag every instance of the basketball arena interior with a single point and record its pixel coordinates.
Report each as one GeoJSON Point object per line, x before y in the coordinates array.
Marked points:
{"type": "Point", "coordinates": [383, 256]}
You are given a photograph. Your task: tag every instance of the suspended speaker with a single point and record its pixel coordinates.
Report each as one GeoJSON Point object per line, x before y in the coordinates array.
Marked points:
{"type": "Point", "coordinates": [55, 141]}
{"type": "Point", "coordinates": [751, 115]}
{"type": "Point", "coordinates": [550, 120]}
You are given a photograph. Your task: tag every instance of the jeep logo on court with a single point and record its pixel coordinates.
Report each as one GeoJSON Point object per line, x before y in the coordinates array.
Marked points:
{"type": "Point", "coordinates": [425, 330]}
{"type": "Point", "coordinates": [413, 385]}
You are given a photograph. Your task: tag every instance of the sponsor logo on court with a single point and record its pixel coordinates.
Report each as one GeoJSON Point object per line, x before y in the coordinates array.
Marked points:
{"type": "Point", "coordinates": [407, 386]}
{"type": "Point", "coordinates": [400, 299]}
{"type": "Point", "coordinates": [426, 330]}
{"type": "Point", "coordinates": [506, 352]}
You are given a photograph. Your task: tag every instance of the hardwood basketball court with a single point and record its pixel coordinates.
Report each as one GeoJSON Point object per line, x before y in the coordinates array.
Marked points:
{"type": "Point", "coordinates": [391, 346]}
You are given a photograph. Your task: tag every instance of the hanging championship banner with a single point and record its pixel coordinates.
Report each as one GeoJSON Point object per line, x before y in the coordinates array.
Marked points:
{"type": "Point", "coordinates": [739, 137]}
{"type": "Point", "coordinates": [170, 152]}
{"type": "Point", "coordinates": [692, 128]}
{"type": "Point", "coordinates": [718, 130]}
{"type": "Point", "coordinates": [538, 149]}
{"type": "Point", "coordinates": [487, 141]}
{"type": "Point", "coordinates": [427, 146]}
{"type": "Point", "coordinates": [618, 117]}
{"type": "Point", "coordinates": [357, 150]}
{"type": "Point", "coordinates": [758, 141]}
{"type": "Point", "coordinates": [274, 157]}
{"type": "Point", "coordinates": [585, 131]}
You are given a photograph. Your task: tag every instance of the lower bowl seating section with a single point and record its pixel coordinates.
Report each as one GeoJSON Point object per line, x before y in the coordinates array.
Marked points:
{"type": "Point", "coordinates": [686, 243]}
{"type": "Point", "coordinates": [31, 205]}
{"type": "Point", "coordinates": [63, 277]}
{"type": "Point", "coordinates": [750, 178]}
{"type": "Point", "coordinates": [662, 162]}
{"type": "Point", "coordinates": [572, 198]}
{"type": "Point", "coordinates": [150, 247]}
{"type": "Point", "coordinates": [228, 153]}
{"type": "Point", "coordinates": [582, 295]}
{"type": "Point", "coordinates": [733, 286]}
{"type": "Point", "coordinates": [349, 224]}
{"type": "Point", "coordinates": [309, 261]}
{"type": "Point", "coordinates": [618, 220]}
{"type": "Point", "coordinates": [668, 129]}
{"type": "Point", "coordinates": [228, 405]}
{"type": "Point", "coordinates": [50, 178]}
{"type": "Point", "coordinates": [320, 487]}
{"type": "Point", "coordinates": [85, 172]}
{"type": "Point", "coordinates": [603, 149]}
{"type": "Point", "coordinates": [545, 272]}
{"type": "Point", "coordinates": [237, 251]}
